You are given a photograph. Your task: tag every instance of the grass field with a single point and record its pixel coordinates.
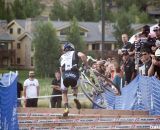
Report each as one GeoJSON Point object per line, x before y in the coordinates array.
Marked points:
{"type": "Point", "coordinates": [45, 89]}
{"type": "Point", "coordinates": [45, 83]}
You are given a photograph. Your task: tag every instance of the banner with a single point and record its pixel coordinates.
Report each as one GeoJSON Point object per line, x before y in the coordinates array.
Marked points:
{"type": "Point", "coordinates": [92, 120]}
{"type": "Point", "coordinates": [8, 102]}
{"type": "Point", "coordinates": [103, 127]}
{"type": "Point", "coordinates": [143, 93]}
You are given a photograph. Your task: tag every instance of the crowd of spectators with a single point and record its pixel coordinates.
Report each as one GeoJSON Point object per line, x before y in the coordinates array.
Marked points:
{"type": "Point", "coordinates": [140, 57]}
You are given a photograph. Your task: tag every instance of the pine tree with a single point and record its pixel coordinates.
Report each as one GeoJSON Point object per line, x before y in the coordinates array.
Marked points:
{"type": "Point", "coordinates": [76, 9]}
{"type": "Point", "coordinates": [89, 11]}
{"type": "Point", "coordinates": [122, 25]}
{"type": "Point", "coordinates": [32, 8]}
{"type": "Point", "coordinates": [9, 12]}
{"type": "Point", "coordinates": [75, 37]}
{"type": "Point", "coordinates": [18, 10]}
{"type": "Point", "coordinates": [58, 11]}
{"type": "Point", "coordinates": [47, 49]}
{"type": "Point", "coordinates": [2, 9]}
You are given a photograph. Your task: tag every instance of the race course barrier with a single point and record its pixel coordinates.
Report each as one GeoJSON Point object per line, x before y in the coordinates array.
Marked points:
{"type": "Point", "coordinates": [88, 119]}
{"type": "Point", "coordinates": [143, 93]}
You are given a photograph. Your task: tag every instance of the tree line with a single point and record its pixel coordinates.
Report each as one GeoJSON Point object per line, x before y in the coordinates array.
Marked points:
{"type": "Point", "coordinates": [45, 40]}
{"type": "Point", "coordinates": [20, 9]}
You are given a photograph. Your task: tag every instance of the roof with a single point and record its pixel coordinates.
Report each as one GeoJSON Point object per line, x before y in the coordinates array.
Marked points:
{"type": "Point", "coordinates": [21, 23]}
{"type": "Point", "coordinates": [6, 37]}
{"type": "Point", "coordinates": [93, 29]}
{"type": "Point", "coordinates": [24, 35]}
{"type": "Point", "coordinates": [18, 21]}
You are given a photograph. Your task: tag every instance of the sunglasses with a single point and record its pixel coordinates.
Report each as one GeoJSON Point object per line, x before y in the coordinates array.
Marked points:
{"type": "Point", "coordinates": [156, 30]}
{"type": "Point", "coordinates": [143, 54]}
{"type": "Point", "coordinates": [125, 54]}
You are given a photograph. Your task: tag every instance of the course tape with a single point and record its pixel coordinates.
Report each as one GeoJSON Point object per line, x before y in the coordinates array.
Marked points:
{"type": "Point", "coordinates": [89, 120]}
{"type": "Point", "coordinates": [43, 114]}
{"type": "Point", "coordinates": [49, 96]}
{"type": "Point", "coordinates": [134, 126]}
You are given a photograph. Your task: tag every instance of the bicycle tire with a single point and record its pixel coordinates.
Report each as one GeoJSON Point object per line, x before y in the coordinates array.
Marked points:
{"type": "Point", "coordinates": [111, 86]}
{"type": "Point", "coordinates": [91, 93]}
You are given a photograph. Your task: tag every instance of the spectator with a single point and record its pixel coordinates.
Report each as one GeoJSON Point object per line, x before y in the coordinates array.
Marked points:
{"type": "Point", "coordinates": [19, 93]}
{"type": "Point", "coordinates": [56, 101]}
{"type": "Point", "coordinates": [155, 66]}
{"type": "Point", "coordinates": [31, 90]}
{"type": "Point", "coordinates": [100, 66]}
{"type": "Point", "coordinates": [146, 61]}
{"type": "Point", "coordinates": [157, 32]}
{"type": "Point", "coordinates": [118, 79]}
{"type": "Point", "coordinates": [128, 67]}
{"type": "Point", "coordinates": [145, 31]}
{"type": "Point", "coordinates": [111, 70]}
{"type": "Point", "coordinates": [146, 39]}
{"type": "Point", "coordinates": [127, 46]}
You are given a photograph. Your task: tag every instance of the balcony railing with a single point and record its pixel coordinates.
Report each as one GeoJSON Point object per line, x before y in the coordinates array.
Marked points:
{"type": "Point", "coordinates": [7, 53]}
{"type": "Point", "coordinates": [105, 53]}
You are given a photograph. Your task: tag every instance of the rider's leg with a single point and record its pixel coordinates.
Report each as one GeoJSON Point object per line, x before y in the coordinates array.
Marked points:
{"type": "Point", "coordinates": [75, 93]}
{"type": "Point", "coordinates": [66, 106]}
{"type": "Point", "coordinates": [65, 98]}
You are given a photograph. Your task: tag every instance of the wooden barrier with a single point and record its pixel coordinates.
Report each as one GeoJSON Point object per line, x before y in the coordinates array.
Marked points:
{"type": "Point", "coordinates": [87, 119]}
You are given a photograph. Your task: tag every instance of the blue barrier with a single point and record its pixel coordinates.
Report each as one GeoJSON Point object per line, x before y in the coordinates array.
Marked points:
{"type": "Point", "coordinates": [143, 93]}
{"type": "Point", "coordinates": [8, 102]}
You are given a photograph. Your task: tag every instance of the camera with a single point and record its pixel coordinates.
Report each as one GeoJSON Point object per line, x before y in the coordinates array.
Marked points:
{"type": "Point", "coordinates": [157, 58]}
{"type": "Point", "coordinates": [145, 42]}
{"type": "Point", "coordinates": [125, 51]}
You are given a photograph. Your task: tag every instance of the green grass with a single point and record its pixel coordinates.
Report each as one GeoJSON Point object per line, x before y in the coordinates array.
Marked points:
{"type": "Point", "coordinates": [45, 89]}
{"type": "Point", "coordinates": [45, 83]}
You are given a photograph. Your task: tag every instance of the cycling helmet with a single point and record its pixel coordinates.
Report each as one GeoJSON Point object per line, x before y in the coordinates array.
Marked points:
{"type": "Point", "coordinates": [157, 53]}
{"type": "Point", "coordinates": [68, 46]}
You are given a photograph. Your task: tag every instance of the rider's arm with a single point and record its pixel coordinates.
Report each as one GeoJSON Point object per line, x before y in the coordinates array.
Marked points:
{"type": "Point", "coordinates": [83, 58]}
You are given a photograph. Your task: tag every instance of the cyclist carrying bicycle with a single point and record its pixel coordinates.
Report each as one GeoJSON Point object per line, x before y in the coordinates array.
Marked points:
{"type": "Point", "coordinates": [70, 73]}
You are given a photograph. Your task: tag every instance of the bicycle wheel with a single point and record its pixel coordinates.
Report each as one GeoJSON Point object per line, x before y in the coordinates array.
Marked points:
{"type": "Point", "coordinates": [92, 93]}
{"type": "Point", "coordinates": [107, 84]}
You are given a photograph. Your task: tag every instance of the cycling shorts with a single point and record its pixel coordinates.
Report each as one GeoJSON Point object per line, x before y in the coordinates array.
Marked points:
{"type": "Point", "coordinates": [70, 78]}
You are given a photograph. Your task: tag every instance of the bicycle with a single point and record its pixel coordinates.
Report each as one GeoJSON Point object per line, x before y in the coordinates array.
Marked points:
{"type": "Point", "coordinates": [94, 84]}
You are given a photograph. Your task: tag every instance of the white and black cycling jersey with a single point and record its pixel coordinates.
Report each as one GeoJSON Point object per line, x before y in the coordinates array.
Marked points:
{"type": "Point", "coordinates": [68, 60]}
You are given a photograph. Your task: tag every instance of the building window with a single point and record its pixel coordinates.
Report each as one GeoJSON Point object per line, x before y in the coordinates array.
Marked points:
{"type": "Point", "coordinates": [108, 47]}
{"type": "Point", "coordinates": [11, 31]}
{"type": "Point", "coordinates": [95, 46]}
{"type": "Point", "coordinates": [4, 46]}
{"type": "Point", "coordinates": [18, 46]}
{"type": "Point", "coordinates": [19, 31]}
{"type": "Point", "coordinates": [65, 31]}
{"type": "Point", "coordinates": [32, 61]}
{"type": "Point", "coordinates": [82, 33]}
{"type": "Point", "coordinates": [18, 60]}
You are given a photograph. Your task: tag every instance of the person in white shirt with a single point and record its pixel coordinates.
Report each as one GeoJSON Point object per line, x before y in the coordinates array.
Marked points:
{"type": "Point", "coordinates": [31, 90]}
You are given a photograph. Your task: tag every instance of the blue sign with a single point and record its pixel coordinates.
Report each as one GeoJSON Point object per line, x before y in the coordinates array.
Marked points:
{"type": "Point", "coordinates": [8, 102]}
